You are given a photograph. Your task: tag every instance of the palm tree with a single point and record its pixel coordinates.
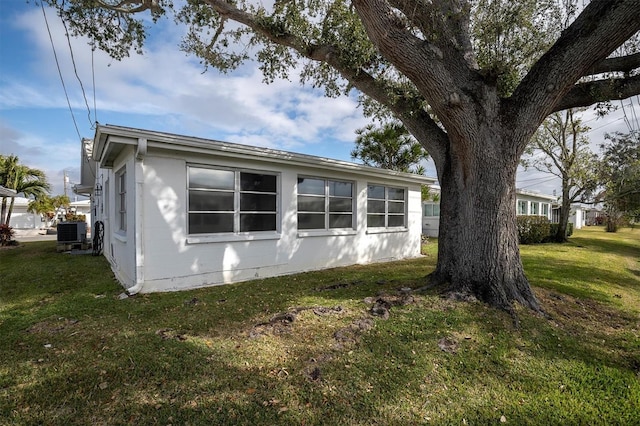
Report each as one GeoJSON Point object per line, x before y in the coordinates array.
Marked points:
{"type": "Point", "coordinates": [22, 179]}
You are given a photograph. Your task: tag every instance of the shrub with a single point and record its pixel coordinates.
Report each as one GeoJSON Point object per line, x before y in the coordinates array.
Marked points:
{"type": "Point", "coordinates": [6, 235]}
{"type": "Point", "coordinates": [72, 217]}
{"type": "Point", "coordinates": [532, 229]}
{"type": "Point", "coordinates": [553, 230]}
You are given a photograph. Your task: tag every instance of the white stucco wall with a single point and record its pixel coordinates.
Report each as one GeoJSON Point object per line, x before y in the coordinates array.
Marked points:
{"type": "Point", "coordinates": [20, 218]}
{"type": "Point", "coordinates": [168, 259]}
{"type": "Point", "coordinates": [119, 247]}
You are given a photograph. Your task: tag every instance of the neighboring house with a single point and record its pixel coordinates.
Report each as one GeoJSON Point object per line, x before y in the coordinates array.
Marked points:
{"type": "Point", "coordinates": [181, 212]}
{"type": "Point", "coordinates": [22, 219]}
{"type": "Point", "coordinates": [527, 203]}
{"type": "Point", "coordinates": [578, 216]}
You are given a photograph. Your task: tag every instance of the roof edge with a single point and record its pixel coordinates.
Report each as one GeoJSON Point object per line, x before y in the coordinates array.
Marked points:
{"type": "Point", "coordinates": [105, 130]}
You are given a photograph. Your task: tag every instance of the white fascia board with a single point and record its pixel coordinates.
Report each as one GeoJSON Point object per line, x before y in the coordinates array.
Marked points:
{"type": "Point", "coordinates": [108, 134]}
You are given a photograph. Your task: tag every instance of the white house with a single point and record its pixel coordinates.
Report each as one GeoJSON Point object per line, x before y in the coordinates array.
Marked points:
{"type": "Point", "coordinates": [577, 214]}
{"type": "Point", "coordinates": [181, 212]}
{"type": "Point", "coordinates": [21, 218]}
{"type": "Point", "coordinates": [527, 203]}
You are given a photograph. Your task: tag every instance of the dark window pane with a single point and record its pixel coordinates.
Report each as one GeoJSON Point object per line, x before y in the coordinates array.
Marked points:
{"type": "Point", "coordinates": [210, 178]}
{"type": "Point", "coordinates": [396, 220]}
{"type": "Point", "coordinates": [310, 186]}
{"type": "Point", "coordinates": [257, 182]}
{"type": "Point", "coordinates": [375, 221]}
{"type": "Point", "coordinates": [310, 221]}
{"type": "Point", "coordinates": [340, 221]}
{"type": "Point", "coordinates": [206, 223]}
{"type": "Point", "coordinates": [396, 194]}
{"type": "Point", "coordinates": [340, 205]}
{"type": "Point", "coordinates": [374, 206]}
{"type": "Point", "coordinates": [210, 201]}
{"type": "Point", "coordinates": [436, 209]}
{"type": "Point", "coordinates": [257, 222]}
{"type": "Point", "coordinates": [258, 202]}
{"type": "Point", "coordinates": [310, 204]}
{"type": "Point", "coordinates": [396, 206]}
{"type": "Point", "coordinates": [340, 189]}
{"type": "Point", "coordinates": [374, 191]}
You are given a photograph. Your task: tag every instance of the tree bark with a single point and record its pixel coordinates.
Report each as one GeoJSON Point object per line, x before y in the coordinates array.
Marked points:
{"type": "Point", "coordinates": [3, 212]}
{"type": "Point", "coordinates": [478, 250]}
{"type": "Point", "coordinates": [565, 211]}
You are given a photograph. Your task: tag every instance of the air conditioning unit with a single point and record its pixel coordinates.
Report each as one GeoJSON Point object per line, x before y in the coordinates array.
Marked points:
{"type": "Point", "coordinates": [72, 232]}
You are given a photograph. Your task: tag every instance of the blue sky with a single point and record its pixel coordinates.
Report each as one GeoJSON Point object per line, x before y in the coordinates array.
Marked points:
{"type": "Point", "coordinates": [165, 90]}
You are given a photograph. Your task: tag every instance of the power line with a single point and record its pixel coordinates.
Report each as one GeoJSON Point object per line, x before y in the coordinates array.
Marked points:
{"type": "Point", "coordinates": [55, 55]}
{"type": "Point", "coordinates": [75, 70]}
{"type": "Point", "coordinates": [93, 78]}
{"type": "Point", "coordinates": [542, 181]}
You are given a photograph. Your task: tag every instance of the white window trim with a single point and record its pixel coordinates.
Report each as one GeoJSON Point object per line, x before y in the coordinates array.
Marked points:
{"type": "Point", "coordinates": [327, 231]}
{"type": "Point", "coordinates": [121, 221]}
{"type": "Point", "coordinates": [236, 235]}
{"type": "Point", "coordinates": [387, 228]}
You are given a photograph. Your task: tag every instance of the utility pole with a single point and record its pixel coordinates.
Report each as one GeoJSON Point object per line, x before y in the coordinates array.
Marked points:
{"type": "Point", "coordinates": [66, 181]}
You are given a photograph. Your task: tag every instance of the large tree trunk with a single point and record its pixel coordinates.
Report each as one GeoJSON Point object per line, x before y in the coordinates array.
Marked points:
{"type": "Point", "coordinates": [478, 250]}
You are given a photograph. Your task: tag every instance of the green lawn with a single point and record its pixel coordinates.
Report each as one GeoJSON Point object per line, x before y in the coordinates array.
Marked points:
{"type": "Point", "coordinates": [72, 352]}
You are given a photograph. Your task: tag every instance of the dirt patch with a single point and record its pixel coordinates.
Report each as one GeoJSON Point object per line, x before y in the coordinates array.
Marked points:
{"type": "Point", "coordinates": [53, 325]}
{"type": "Point", "coordinates": [579, 315]}
{"type": "Point", "coordinates": [281, 323]}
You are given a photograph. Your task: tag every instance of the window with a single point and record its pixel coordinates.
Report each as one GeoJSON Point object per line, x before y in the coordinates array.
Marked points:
{"type": "Point", "coordinates": [430, 210]}
{"type": "Point", "coordinates": [385, 207]}
{"type": "Point", "coordinates": [545, 209]}
{"type": "Point", "coordinates": [324, 204]}
{"type": "Point", "coordinates": [231, 201]}
{"type": "Point", "coordinates": [535, 208]}
{"type": "Point", "coordinates": [121, 200]}
{"type": "Point", "coordinates": [522, 207]}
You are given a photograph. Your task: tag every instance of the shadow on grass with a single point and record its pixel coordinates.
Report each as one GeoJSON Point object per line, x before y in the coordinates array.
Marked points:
{"type": "Point", "coordinates": [579, 280]}
{"type": "Point", "coordinates": [188, 357]}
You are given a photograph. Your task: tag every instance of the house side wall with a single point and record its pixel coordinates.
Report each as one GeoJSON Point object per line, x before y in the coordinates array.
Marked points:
{"type": "Point", "coordinates": [174, 261]}
{"type": "Point", "coordinates": [532, 206]}
{"type": "Point", "coordinates": [532, 203]}
{"type": "Point", "coordinates": [119, 246]}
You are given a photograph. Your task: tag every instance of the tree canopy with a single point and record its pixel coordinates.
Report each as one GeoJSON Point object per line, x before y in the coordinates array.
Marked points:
{"type": "Point", "coordinates": [23, 179]}
{"type": "Point", "coordinates": [389, 146]}
{"type": "Point", "coordinates": [620, 177]}
{"type": "Point", "coordinates": [470, 80]}
{"type": "Point", "coordinates": [561, 147]}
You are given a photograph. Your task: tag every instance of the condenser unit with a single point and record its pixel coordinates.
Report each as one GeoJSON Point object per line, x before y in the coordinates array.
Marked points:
{"type": "Point", "coordinates": [72, 232]}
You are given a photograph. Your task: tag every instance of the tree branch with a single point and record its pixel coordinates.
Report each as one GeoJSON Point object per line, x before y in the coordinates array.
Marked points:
{"type": "Point", "coordinates": [599, 30]}
{"type": "Point", "coordinates": [617, 64]}
{"type": "Point", "coordinates": [433, 135]}
{"type": "Point", "coordinates": [127, 6]}
{"type": "Point", "coordinates": [589, 93]}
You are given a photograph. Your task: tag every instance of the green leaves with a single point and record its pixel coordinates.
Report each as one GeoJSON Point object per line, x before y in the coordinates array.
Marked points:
{"type": "Point", "coordinates": [389, 147]}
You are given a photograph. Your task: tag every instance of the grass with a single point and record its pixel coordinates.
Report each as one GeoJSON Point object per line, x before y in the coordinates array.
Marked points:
{"type": "Point", "coordinates": [73, 353]}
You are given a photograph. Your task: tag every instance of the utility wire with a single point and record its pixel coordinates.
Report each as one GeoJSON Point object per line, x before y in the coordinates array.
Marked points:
{"type": "Point", "coordinates": [93, 77]}
{"type": "Point", "coordinates": [55, 55]}
{"type": "Point", "coordinates": [75, 70]}
{"type": "Point", "coordinates": [542, 181]}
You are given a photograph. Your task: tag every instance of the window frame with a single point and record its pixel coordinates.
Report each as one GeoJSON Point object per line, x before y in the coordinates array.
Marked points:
{"type": "Point", "coordinates": [121, 200]}
{"type": "Point", "coordinates": [544, 209]}
{"type": "Point", "coordinates": [534, 206]}
{"type": "Point", "coordinates": [526, 207]}
{"type": "Point", "coordinates": [432, 208]}
{"type": "Point", "coordinates": [388, 201]}
{"type": "Point", "coordinates": [236, 211]}
{"type": "Point", "coordinates": [327, 212]}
